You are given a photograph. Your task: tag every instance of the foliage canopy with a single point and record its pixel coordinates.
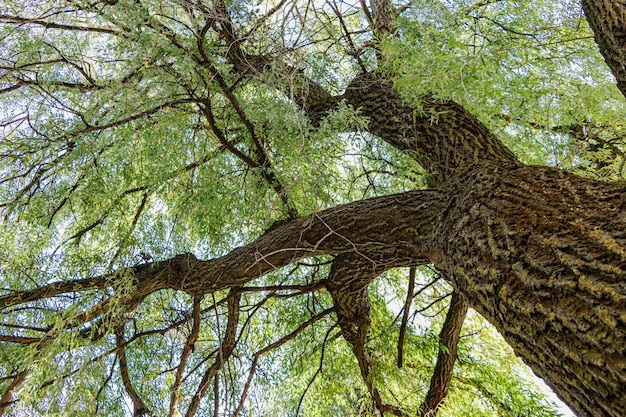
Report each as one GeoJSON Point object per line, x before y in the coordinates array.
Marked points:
{"type": "Point", "coordinates": [132, 133]}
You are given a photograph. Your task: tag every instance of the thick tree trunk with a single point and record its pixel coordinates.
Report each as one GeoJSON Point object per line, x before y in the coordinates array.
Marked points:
{"type": "Point", "coordinates": [538, 252]}
{"type": "Point", "coordinates": [542, 255]}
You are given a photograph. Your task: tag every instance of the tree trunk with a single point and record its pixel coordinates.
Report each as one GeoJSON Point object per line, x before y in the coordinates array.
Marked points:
{"type": "Point", "coordinates": [541, 254]}
{"type": "Point", "coordinates": [538, 252]}
{"type": "Point", "coordinates": [607, 19]}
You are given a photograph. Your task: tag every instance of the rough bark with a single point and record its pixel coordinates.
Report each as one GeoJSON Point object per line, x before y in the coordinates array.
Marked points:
{"type": "Point", "coordinates": [440, 134]}
{"type": "Point", "coordinates": [607, 19]}
{"type": "Point", "coordinates": [389, 231]}
{"type": "Point", "coordinates": [542, 255]}
{"type": "Point", "coordinates": [347, 283]}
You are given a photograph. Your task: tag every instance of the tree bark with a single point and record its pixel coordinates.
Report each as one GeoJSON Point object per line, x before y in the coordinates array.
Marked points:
{"type": "Point", "coordinates": [607, 19]}
{"type": "Point", "coordinates": [541, 254]}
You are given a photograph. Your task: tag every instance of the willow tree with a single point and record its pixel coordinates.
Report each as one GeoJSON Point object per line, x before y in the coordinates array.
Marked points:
{"type": "Point", "coordinates": [199, 198]}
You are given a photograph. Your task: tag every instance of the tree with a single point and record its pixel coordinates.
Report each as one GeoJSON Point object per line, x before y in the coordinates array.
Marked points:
{"type": "Point", "coordinates": [163, 160]}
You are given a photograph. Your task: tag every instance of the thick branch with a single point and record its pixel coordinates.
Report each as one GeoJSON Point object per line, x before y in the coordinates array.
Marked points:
{"type": "Point", "coordinates": [347, 283]}
{"type": "Point", "coordinates": [442, 136]}
{"type": "Point", "coordinates": [51, 290]}
{"type": "Point", "coordinates": [389, 231]}
{"type": "Point", "coordinates": [382, 17]}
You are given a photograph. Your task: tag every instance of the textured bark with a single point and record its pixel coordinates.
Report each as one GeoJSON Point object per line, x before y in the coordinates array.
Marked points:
{"type": "Point", "coordinates": [607, 19]}
{"type": "Point", "coordinates": [347, 283]}
{"type": "Point", "coordinates": [441, 135]}
{"type": "Point", "coordinates": [349, 277]}
{"type": "Point", "coordinates": [538, 252]}
{"type": "Point", "coordinates": [542, 255]}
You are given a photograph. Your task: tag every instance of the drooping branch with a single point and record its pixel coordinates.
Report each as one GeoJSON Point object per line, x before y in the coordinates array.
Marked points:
{"type": "Point", "coordinates": [448, 350]}
{"type": "Point", "coordinates": [184, 356]}
{"type": "Point", "coordinates": [347, 283]}
{"type": "Point", "coordinates": [226, 348]}
{"type": "Point", "coordinates": [271, 347]}
{"type": "Point", "coordinates": [139, 407]}
{"type": "Point", "coordinates": [405, 315]}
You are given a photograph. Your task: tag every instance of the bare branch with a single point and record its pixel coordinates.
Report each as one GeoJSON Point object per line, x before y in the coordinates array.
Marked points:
{"type": "Point", "coordinates": [448, 350]}
{"type": "Point", "coordinates": [272, 346]}
{"type": "Point", "coordinates": [19, 339]}
{"type": "Point", "coordinates": [227, 345]}
{"type": "Point", "coordinates": [5, 18]}
{"type": "Point", "coordinates": [139, 407]}
{"type": "Point", "coordinates": [184, 356]}
{"type": "Point", "coordinates": [7, 398]}
{"type": "Point", "coordinates": [405, 315]}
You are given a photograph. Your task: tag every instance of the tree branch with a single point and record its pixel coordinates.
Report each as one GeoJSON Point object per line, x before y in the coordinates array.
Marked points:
{"type": "Point", "coordinates": [405, 315]}
{"type": "Point", "coordinates": [187, 349]}
{"type": "Point", "coordinates": [398, 226]}
{"type": "Point", "coordinates": [4, 18]}
{"type": "Point", "coordinates": [227, 345]}
{"type": "Point", "coordinates": [347, 282]}
{"type": "Point", "coordinates": [7, 398]}
{"type": "Point", "coordinates": [139, 407]}
{"type": "Point", "coordinates": [270, 347]}
{"type": "Point", "coordinates": [448, 350]}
